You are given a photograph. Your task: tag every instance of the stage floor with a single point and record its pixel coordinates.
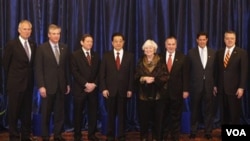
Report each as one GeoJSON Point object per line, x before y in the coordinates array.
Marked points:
{"type": "Point", "coordinates": [131, 136]}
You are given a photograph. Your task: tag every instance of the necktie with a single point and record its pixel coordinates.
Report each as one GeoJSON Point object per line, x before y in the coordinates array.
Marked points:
{"type": "Point", "coordinates": [26, 48]}
{"type": "Point", "coordinates": [88, 58]}
{"type": "Point", "coordinates": [57, 54]}
{"type": "Point", "coordinates": [117, 60]}
{"type": "Point", "coordinates": [226, 59]}
{"type": "Point", "coordinates": [169, 64]}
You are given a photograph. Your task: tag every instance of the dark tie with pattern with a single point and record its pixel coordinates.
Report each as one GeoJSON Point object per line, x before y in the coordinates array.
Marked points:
{"type": "Point", "coordinates": [88, 58]}
{"type": "Point", "coordinates": [226, 59]}
{"type": "Point", "coordinates": [117, 61]}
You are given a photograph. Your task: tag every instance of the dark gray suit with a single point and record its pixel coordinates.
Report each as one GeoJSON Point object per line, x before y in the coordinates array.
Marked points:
{"type": "Point", "coordinates": [55, 78]}
{"type": "Point", "coordinates": [201, 89]}
{"type": "Point", "coordinates": [20, 83]}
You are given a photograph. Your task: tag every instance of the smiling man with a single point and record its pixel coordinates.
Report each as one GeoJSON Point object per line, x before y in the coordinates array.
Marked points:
{"type": "Point", "coordinates": [18, 60]}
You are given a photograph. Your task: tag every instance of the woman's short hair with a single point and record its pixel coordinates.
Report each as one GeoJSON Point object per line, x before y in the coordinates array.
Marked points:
{"type": "Point", "coordinates": [149, 43]}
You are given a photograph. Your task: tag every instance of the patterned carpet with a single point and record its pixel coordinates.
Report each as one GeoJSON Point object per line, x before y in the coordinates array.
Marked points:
{"type": "Point", "coordinates": [131, 136]}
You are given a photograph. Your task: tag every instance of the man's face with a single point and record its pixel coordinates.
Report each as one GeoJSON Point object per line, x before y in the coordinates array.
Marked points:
{"type": "Point", "coordinates": [170, 45]}
{"type": "Point", "coordinates": [54, 35]}
{"type": "Point", "coordinates": [229, 39]}
{"type": "Point", "coordinates": [118, 43]}
{"type": "Point", "coordinates": [87, 43]}
{"type": "Point", "coordinates": [25, 30]}
{"type": "Point", "coordinates": [202, 41]}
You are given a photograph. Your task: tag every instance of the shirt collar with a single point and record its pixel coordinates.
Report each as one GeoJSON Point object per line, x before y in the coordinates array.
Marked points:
{"type": "Point", "coordinates": [120, 51]}
{"type": "Point", "coordinates": [171, 53]}
{"type": "Point", "coordinates": [84, 50]}
{"type": "Point", "coordinates": [22, 40]}
{"type": "Point", "coordinates": [230, 49]}
{"type": "Point", "coordinates": [52, 44]}
{"type": "Point", "coordinates": [200, 48]}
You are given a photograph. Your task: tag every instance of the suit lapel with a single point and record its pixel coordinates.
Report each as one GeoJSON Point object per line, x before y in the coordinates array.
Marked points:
{"type": "Point", "coordinates": [197, 55]}
{"type": "Point", "coordinates": [51, 52]}
{"type": "Point", "coordinates": [113, 57]}
{"type": "Point", "coordinates": [175, 61]}
{"type": "Point", "coordinates": [209, 56]}
{"type": "Point", "coordinates": [61, 49]}
{"type": "Point", "coordinates": [32, 48]}
{"type": "Point", "coordinates": [232, 56]}
{"type": "Point", "coordinates": [83, 56]}
{"type": "Point", "coordinates": [122, 59]}
{"type": "Point", "coordinates": [20, 46]}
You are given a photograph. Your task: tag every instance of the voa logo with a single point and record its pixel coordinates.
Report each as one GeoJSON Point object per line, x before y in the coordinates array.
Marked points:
{"type": "Point", "coordinates": [236, 132]}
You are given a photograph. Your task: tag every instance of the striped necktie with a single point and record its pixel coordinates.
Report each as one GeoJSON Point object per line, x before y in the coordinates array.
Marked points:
{"type": "Point", "coordinates": [226, 59]}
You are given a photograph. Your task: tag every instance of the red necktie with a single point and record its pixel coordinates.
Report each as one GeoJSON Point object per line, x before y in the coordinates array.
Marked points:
{"type": "Point", "coordinates": [169, 64]}
{"type": "Point", "coordinates": [117, 60]}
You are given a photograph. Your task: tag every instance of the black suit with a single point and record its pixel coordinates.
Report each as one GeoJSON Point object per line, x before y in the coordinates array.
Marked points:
{"type": "Point", "coordinates": [83, 73]}
{"type": "Point", "coordinates": [55, 78]}
{"type": "Point", "coordinates": [20, 82]}
{"type": "Point", "coordinates": [177, 84]}
{"type": "Point", "coordinates": [231, 78]}
{"type": "Point", "coordinates": [117, 82]}
{"type": "Point", "coordinates": [201, 92]}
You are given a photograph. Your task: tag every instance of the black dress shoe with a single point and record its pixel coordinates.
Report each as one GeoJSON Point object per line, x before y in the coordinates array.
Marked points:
{"type": "Point", "coordinates": [45, 138]}
{"type": "Point", "coordinates": [78, 138]}
{"type": "Point", "coordinates": [93, 138]}
{"type": "Point", "coordinates": [192, 136]}
{"type": "Point", "coordinates": [26, 139]}
{"type": "Point", "coordinates": [121, 139]}
{"type": "Point", "coordinates": [59, 139]}
{"type": "Point", "coordinates": [208, 136]}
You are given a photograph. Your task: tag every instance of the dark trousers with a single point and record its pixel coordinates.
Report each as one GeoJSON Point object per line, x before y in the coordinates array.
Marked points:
{"type": "Point", "coordinates": [19, 107]}
{"type": "Point", "coordinates": [53, 103]}
{"type": "Point", "coordinates": [150, 117]}
{"type": "Point", "coordinates": [80, 102]}
{"type": "Point", "coordinates": [116, 106]}
{"type": "Point", "coordinates": [172, 117]}
{"type": "Point", "coordinates": [230, 109]}
{"type": "Point", "coordinates": [202, 107]}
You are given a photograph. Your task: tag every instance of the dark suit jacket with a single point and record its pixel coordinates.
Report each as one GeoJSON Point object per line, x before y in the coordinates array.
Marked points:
{"type": "Point", "coordinates": [234, 76]}
{"type": "Point", "coordinates": [197, 72]}
{"type": "Point", "coordinates": [82, 71]}
{"type": "Point", "coordinates": [117, 80]}
{"type": "Point", "coordinates": [178, 77]}
{"type": "Point", "coordinates": [48, 73]}
{"type": "Point", "coordinates": [18, 69]}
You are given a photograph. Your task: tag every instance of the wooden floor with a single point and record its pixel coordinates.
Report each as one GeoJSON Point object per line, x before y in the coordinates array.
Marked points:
{"type": "Point", "coordinates": [131, 136]}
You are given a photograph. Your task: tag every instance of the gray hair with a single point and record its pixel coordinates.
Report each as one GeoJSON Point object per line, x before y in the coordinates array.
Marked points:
{"type": "Point", "coordinates": [149, 43]}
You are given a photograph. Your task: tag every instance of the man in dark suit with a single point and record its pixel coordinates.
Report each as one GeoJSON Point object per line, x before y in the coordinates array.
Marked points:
{"type": "Point", "coordinates": [177, 89]}
{"type": "Point", "coordinates": [116, 84]}
{"type": "Point", "coordinates": [52, 75]}
{"type": "Point", "coordinates": [84, 68]}
{"type": "Point", "coordinates": [18, 60]}
{"type": "Point", "coordinates": [232, 65]}
{"type": "Point", "coordinates": [202, 67]}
